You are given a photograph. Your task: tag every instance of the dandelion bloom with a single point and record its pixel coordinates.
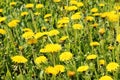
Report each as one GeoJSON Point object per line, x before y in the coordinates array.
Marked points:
{"type": "Point", "coordinates": [118, 38]}
{"type": "Point", "coordinates": [94, 10]}
{"type": "Point", "coordinates": [94, 44]}
{"type": "Point", "coordinates": [2, 31]}
{"type": "Point", "coordinates": [91, 57]}
{"type": "Point", "coordinates": [19, 59]}
{"type": "Point", "coordinates": [80, 4]}
{"type": "Point", "coordinates": [89, 18]}
{"type": "Point", "coordinates": [105, 78]}
{"type": "Point", "coordinates": [101, 4]}
{"type": "Point", "coordinates": [73, 2]}
{"type": "Point", "coordinates": [40, 34]}
{"type": "Point", "coordinates": [32, 41]}
{"type": "Point", "coordinates": [36, 13]}
{"type": "Point", "coordinates": [38, 6]}
{"type": "Point", "coordinates": [30, 5]}
{"type": "Point", "coordinates": [59, 68]}
{"type": "Point", "coordinates": [2, 19]}
{"type": "Point", "coordinates": [52, 48]}
{"type": "Point", "coordinates": [71, 8]}
{"type": "Point", "coordinates": [13, 23]}
{"type": "Point", "coordinates": [53, 32]}
{"type": "Point", "coordinates": [13, 3]}
{"type": "Point", "coordinates": [71, 73]}
{"type": "Point", "coordinates": [75, 16]}
{"type": "Point", "coordinates": [83, 68]}
{"type": "Point", "coordinates": [27, 30]}
{"type": "Point", "coordinates": [24, 13]}
{"type": "Point", "coordinates": [112, 17]}
{"type": "Point", "coordinates": [51, 70]}
{"type": "Point", "coordinates": [77, 26]}
{"type": "Point", "coordinates": [63, 38]}
{"type": "Point", "coordinates": [41, 59]}
{"type": "Point", "coordinates": [47, 15]}
{"type": "Point", "coordinates": [112, 66]}
{"type": "Point", "coordinates": [65, 56]}
{"type": "Point", "coordinates": [56, 0]}
{"type": "Point", "coordinates": [1, 10]}
{"type": "Point", "coordinates": [28, 35]}
{"type": "Point", "coordinates": [111, 47]}
{"type": "Point", "coordinates": [101, 30]}
{"type": "Point", "coordinates": [102, 62]}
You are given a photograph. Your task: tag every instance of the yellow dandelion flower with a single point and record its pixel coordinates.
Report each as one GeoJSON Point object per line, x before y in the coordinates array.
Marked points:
{"type": "Point", "coordinates": [13, 3]}
{"type": "Point", "coordinates": [38, 6]}
{"type": "Point", "coordinates": [77, 26]}
{"type": "Point", "coordinates": [80, 4]}
{"type": "Point", "coordinates": [56, 0]}
{"type": "Point", "coordinates": [71, 8]}
{"type": "Point", "coordinates": [82, 68]}
{"type": "Point", "coordinates": [111, 47]}
{"type": "Point", "coordinates": [118, 38]}
{"type": "Point", "coordinates": [94, 25]}
{"type": "Point", "coordinates": [41, 59]}
{"type": "Point", "coordinates": [102, 30]}
{"type": "Point", "coordinates": [24, 13]}
{"type": "Point", "coordinates": [30, 5]}
{"type": "Point", "coordinates": [63, 38]}
{"type": "Point", "coordinates": [94, 10]}
{"type": "Point", "coordinates": [75, 16]}
{"type": "Point", "coordinates": [71, 73]}
{"type": "Point", "coordinates": [91, 57]}
{"type": "Point", "coordinates": [73, 2]}
{"type": "Point", "coordinates": [13, 23]}
{"type": "Point", "coordinates": [64, 20]}
{"type": "Point", "coordinates": [102, 62]}
{"type": "Point", "coordinates": [94, 44]}
{"type": "Point", "coordinates": [59, 68]}
{"type": "Point", "coordinates": [32, 41]}
{"type": "Point", "coordinates": [36, 13]}
{"type": "Point", "coordinates": [112, 66]}
{"type": "Point", "coordinates": [40, 34]}
{"type": "Point", "coordinates": [1, 10]}
{"type": "Point", "coordinates": [19, 59]}
{"type": "Point", "coordinates": [101, 4]}
{"type": "Point", "coordinates": [105, 78]}
{"type": "Point", "coordinates": [89, 18]}
{"type": "Point", "coordinates": [51, 70]}
{"type": "Point", "coordinates": [96, 14]}
{"type": "Point", "coordinates": [113, 17]}
{"type": "Point", "coordinates": [27, 30]}
{"type": "Point", "coordinates": [47, 15]}
{"type": "Point", "coordinates": [53, 32]}
{"type": "Point", "coordinates": [65, 56]}
{"type": "Point", "coordinates": [2, 31]}
{"type": "Point", "coordinates": [28, 35]}
{"type": "Point", "coordinates": [2, 19]}
{"type": "Point", "coordinates": [52, 48]}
